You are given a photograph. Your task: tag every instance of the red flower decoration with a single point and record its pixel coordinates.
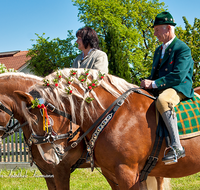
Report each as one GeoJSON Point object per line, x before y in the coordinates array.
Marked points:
{"type": "Point", "coordinates": [39, 106]}
{"type": "Point", "coordinates": [93, 84]}
{"type": "Point", "coordinates": [101, 75]}
{"type": "Point", "coordinates": [47, 84]}
{"type": "Point", "coordinates": [42, 106]}
{"type": "Point", "coordinates": [82, 80]}
{"type": "Point", "coordinates": [90, 87]}
{"type": "Point", "coordinates": [87, 73]}
{"type": "Point", "coordinates": [70, 91]}
{"type": "Point", "coordinates": [56, 84]}
{"type": "Point", "coordinates": [59, 76]}
{"type": "Point", "coordinates": [69, 82]}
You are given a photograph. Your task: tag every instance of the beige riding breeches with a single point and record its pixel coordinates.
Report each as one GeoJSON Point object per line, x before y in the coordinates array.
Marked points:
{"type": "Point", "coordinates": [168, 99]}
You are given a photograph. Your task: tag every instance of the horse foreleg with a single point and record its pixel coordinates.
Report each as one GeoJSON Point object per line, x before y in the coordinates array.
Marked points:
{"type": "Point", "coordinates": [110, 179]}
{"type": "Point", "coordinates": [163, 183]}
{"type": "Point", "coordinates": [143, 185]}
{"type": "Point", "coordinates": [160, 183]}
{"type": "Point", "coordinates": [49, 181]}
{"type": "Point", "coordinates": [127, 178]}
{"type": "Point", "coordinates": [62, 176]}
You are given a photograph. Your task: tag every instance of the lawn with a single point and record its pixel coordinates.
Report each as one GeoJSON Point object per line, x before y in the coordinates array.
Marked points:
{"type": "Point", "coordinates": [81, 179]}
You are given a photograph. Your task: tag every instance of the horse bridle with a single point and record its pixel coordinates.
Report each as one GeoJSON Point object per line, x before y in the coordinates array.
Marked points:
{"type": "Point", "coordinates": [9, 130]}
{"type": "Point", "coordinates": [49, 137]}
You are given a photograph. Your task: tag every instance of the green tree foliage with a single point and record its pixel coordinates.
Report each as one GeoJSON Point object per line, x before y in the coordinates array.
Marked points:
{"type": "Point", "coordinates": [191, 36]}
{"type": "Point", "coordinates": [124, 27]}
{"type": "Point", "coordinates": [50, 55]}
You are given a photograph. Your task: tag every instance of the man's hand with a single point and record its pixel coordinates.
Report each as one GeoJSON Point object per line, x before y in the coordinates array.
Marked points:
{"type": "Point", "coordinates": [147, 84]}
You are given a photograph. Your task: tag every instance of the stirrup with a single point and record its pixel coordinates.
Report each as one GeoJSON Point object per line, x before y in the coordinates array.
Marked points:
{"type": "Point", "coordinates": [171, 161]}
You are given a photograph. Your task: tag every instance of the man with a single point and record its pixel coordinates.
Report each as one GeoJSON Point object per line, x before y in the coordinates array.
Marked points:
{"type": "Point", "coordinates": [171, 75]}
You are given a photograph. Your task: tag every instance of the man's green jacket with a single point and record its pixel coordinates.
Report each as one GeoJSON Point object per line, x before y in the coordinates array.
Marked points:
{"type": "Point", "coordinates": [176, 68]}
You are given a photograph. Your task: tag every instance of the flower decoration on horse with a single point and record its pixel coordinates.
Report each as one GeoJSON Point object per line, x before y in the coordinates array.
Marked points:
{"type": "Point", "coordinates": [82, 77]}
{"type": "Point", "coordinates": [46, 122]}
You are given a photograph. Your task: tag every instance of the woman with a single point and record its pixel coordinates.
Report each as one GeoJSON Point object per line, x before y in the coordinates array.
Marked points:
{"type": "Point", "coordinates": [91, 57]}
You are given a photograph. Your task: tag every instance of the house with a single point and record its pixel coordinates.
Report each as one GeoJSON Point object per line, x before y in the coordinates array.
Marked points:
{"type": "Point", "coordinates": [16, 60]}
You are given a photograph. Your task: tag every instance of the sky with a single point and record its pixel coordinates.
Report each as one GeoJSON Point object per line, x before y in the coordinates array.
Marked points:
{"type": "Point", "coordinates": [21, 19]}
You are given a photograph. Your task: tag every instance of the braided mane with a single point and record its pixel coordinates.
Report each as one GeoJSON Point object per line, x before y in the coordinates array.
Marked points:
{"type": "Point", "coordinates": [67, 82]}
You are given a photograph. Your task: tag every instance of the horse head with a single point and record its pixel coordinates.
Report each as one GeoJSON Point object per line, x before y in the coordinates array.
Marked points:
{"type": "Point", "coordinates": [50, 138]}
{"type": "Point", "coordinates": [10, 108]}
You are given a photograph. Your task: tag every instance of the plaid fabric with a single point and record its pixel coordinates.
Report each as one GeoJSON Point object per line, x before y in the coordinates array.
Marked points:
{"type": "Point", "coordinates": [188, 116]}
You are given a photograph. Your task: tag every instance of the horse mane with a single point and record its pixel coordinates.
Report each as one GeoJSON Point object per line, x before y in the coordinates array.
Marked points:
{"type": "Point", "coordinates": [56, 94]}
{"type": "Point", "coordinates": [19, 74]}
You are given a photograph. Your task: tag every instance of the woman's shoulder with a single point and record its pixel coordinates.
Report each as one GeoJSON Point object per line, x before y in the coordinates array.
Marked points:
{"type": "Point", "coordinates": [98, 52]}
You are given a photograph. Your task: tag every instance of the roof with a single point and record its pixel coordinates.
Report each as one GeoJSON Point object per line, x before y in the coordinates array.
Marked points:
{"type": "Point", "coordinates": [14, 59]}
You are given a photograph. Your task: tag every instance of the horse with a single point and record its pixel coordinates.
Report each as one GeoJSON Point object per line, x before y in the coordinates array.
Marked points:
{"type": "Point", "coordinates": [124, 145]}
{"type": "Point", "coordinates": [19, 81]}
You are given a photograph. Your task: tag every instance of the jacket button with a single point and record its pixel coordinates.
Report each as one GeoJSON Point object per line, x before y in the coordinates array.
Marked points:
{"type": "Point", "coordinates": [166, 69]}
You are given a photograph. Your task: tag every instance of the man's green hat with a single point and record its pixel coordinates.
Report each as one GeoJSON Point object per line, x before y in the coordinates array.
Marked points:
{"type": "Point", "coordinates": [164, 18]}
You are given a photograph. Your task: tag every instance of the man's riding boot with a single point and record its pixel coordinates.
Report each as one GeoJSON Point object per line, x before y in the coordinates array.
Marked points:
{"type": "Point", "coordinates": [176, 151]}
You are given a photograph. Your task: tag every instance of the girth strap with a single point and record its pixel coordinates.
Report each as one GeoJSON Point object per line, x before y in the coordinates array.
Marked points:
{"type": "Point", "coordinates": [153, 158]}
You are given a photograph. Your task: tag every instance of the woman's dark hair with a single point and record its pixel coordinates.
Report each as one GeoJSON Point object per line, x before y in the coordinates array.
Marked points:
{"type": "Point", "coordinates": [89, 37]}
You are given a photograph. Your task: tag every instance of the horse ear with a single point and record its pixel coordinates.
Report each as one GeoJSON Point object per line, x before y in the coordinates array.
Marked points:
{"type": "Point", "coordinates": [26, 97]}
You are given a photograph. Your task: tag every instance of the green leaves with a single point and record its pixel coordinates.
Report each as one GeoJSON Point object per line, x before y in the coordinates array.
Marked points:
{"type": "Point", "coordinates": [50, 55]}
{"type": "Point", "coordinates": [191, 37]}
{"type": "Point", "coordinates": [124, 32]}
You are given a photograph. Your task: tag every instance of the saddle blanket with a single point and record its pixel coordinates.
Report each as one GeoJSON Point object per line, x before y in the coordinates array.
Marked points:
{"type": "Point", "coordinates": [188, 117]}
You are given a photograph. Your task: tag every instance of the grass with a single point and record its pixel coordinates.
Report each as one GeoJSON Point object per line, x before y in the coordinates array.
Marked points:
{"type": "Point", "coordinates": [191, 182]}
{"type": "Point", "coordinates": [81, 179]}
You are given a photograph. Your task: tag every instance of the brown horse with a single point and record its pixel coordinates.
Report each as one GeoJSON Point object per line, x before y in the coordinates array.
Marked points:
{"type": "Point", "coordinates": [18, 81]}
{"type": "Point", "coordinates": [125, 143]}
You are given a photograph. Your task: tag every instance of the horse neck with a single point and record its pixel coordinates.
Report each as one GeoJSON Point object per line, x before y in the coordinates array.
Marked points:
{"type": "Point", "coordinates": [95, 110]}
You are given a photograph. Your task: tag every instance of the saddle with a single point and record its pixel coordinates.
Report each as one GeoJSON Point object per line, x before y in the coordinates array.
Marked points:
{"type": "Point", "coordinates": [188, 117]}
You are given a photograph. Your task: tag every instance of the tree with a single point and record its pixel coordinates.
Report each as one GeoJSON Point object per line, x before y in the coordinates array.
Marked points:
{"type": "Point", "coordinates": [48, 56]}
{"type": "Point", "coordinates": [191, 37]}
{"type": "Point", "coordinates": [125, 33]}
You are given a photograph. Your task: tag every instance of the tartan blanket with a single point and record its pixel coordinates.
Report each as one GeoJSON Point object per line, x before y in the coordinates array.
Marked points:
{"type": "Point", "coordinates": [188, 117]}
